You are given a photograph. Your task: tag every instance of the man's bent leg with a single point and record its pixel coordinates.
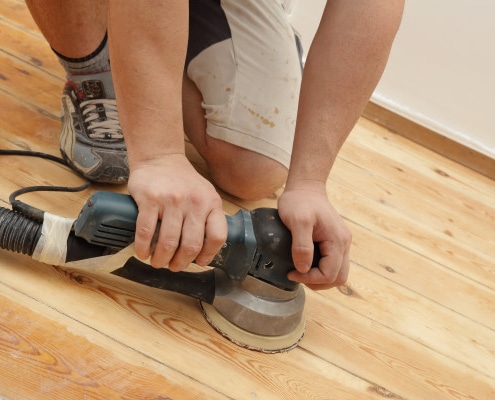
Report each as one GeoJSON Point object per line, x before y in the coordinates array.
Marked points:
{"type": "Point", "coordinates": [241, 172]}
{"type": "Point", "coordinates": [241, 94]}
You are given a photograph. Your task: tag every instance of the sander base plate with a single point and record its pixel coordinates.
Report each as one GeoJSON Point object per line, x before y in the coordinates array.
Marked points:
{"type": "Point", "coordinates": [249, 340]}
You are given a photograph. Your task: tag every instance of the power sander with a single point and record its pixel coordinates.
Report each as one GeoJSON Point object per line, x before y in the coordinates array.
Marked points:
{"type": "Point", "coordinates": [246, 296]}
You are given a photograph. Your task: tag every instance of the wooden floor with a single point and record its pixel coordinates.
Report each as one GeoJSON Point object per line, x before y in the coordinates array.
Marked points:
{"type": "Point", "coordinates": [416, 319]}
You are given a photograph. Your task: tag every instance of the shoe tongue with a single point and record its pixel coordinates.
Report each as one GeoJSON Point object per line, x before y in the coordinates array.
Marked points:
{"type": "Point", "coordinates": [99, 86]}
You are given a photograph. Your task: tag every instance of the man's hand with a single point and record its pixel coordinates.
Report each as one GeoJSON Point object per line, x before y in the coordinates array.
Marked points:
{"type": "Point", "coordinates": [307, 213]}
{"type": "Point", "coordinates": [346, 59]}
{"type": "Point", "coordinates": [193, 224]}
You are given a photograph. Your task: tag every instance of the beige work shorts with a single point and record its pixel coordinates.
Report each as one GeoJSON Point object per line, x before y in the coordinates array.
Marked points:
{"type": "Point", "coordinates": [244, 58]}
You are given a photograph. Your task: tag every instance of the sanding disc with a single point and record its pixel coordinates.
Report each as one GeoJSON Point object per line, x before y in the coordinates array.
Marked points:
{"type": "Point", "coordinates": [249, 340]}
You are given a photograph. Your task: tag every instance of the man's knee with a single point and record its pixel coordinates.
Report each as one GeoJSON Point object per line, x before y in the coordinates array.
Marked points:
{"type": "Point", "coordinates": [246, 174]}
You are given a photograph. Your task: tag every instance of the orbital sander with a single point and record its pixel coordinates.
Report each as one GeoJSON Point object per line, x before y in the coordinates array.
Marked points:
{"type": "Point", "coordinates": [246, 295]}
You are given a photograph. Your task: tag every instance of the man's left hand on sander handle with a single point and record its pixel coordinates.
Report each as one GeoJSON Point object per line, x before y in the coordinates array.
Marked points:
{"type": "Point", "coordinates": [310, 217]}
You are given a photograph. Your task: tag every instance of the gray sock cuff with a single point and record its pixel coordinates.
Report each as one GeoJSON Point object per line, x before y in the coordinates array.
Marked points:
{"type": "Point", "coordinates": [97, 61]}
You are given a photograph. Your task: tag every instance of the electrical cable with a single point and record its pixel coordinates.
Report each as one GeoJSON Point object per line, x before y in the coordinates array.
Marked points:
{"type": "Point", "coordinates": [25, 209]}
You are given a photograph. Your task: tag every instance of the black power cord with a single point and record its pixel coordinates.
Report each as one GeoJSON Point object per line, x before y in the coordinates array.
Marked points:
{"type": "Point", "coordinates": [21, 227]}
{"type": "Point", "coordinates": [30, 211]}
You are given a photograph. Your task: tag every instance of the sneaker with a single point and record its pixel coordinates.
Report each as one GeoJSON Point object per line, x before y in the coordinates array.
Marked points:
{"type": "Point", "coordinates": [91, 139]}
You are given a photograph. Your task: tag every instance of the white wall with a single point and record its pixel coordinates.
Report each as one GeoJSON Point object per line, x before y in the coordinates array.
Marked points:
{"type": "Point", "coordinates": [441, 73]}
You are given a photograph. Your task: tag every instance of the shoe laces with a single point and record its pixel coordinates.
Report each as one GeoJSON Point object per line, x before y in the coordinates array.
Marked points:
{"type": "Point", "coordinates": [102, 119]}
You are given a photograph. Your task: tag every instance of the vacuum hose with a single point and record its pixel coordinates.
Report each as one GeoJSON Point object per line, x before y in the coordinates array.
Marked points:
{"type": "Point", "coordinates": [21, 234]}
{"type": "Point", "coordinates": [18, 233]}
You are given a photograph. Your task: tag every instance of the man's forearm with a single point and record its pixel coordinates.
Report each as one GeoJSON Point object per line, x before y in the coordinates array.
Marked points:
{"type": "Point", "coordinates": [344, 64]}
{"type": "Point", "coordinates": [148, 44]}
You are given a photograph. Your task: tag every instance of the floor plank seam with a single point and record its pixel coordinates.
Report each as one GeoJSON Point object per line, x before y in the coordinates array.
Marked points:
{"type": "Point", "coordinates": [33, 107]}
{"type": "Point", "coordinates": [409, 338]}
{"type": "Point", "coordinates": [402, 286]}
{"type": "Point", "coordinates": [357, 263]}
{"type": "Point", "coordinates": [373, 385]}
{"type": "Point", "coordinates": [19, 27]}
{"type": "Point", "coordinates": [395, 183]}
{"type": "Point", "coordinates": [426, 257]}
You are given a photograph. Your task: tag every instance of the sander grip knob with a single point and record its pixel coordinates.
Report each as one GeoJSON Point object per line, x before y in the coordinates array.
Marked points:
{"type": "Point", "coordinates": [274, 249]}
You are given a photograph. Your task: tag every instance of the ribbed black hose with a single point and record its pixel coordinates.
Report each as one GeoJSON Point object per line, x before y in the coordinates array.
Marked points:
{"type": "Point", "coordinates": [17, 232]}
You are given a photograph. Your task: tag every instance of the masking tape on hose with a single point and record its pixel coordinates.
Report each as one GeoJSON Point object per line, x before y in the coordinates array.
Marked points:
{"type": "Point", "coordinates": [104, 263]}
{"type": "Point", "coordinates": [52, 246]}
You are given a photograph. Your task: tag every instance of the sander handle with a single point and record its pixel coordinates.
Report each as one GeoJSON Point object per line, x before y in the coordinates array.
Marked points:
{"type": "Point", "coordinates": [199, 285]}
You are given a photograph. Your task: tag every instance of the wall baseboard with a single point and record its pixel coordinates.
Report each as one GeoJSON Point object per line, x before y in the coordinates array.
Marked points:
{"type": "Point", "coordinates": [431, 140]}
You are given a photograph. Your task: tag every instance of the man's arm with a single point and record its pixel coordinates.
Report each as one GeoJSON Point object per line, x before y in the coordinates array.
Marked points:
{"type": "Point", "coordinates": [147, 48]}
{"type": "Point", "coordinates": [344, 64]}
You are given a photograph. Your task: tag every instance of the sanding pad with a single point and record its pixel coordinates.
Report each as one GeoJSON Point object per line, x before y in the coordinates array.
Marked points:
{"type": "Point", "coordinates": [249, 340]}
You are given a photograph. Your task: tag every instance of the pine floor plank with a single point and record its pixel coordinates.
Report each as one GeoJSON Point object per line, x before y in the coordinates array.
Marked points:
{"type": "Point", "coordinates": [418, 318]}
{"type": "Point", "coordinates": [413, 271]}
{"type": "Point", "coordinates": [170, 328]}
{"type": "Point", "coordinates": [41, 358]}
{"type": "Point", "coordinates": [466, 226]}
{"type": "Point", "coordinates": [21, 39]}
{"type": "Point", "coordinates": [21, 81]}
{"type": "Point", "coordinates": [386, 357]}
{"type": "Point", "coordinates": [14, 12]}
{"type": "Point", "coordinates": [452, 240]}
{"type": "Point", "coordinates": [434, 245]}
{"type": "Point", "coordinates": [415, 167]}
{"type": "Point", "coordinates": [414, 321]}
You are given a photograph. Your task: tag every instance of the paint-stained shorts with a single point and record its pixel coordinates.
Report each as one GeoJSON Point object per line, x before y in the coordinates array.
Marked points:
{"type": "Point", "coordinates": [243, 57]}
